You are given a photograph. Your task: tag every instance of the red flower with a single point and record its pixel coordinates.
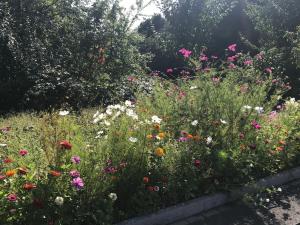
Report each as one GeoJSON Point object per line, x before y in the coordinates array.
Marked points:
{"type": "Point", "coordinates": [197, 163]}
{"type": "Point", "coordinates": [22, 170]}
{"type": "Point", "coordinates": [146, 180]}
{"type": "Point", "coordinates": [29, 186]}
{"type": "Point", "coordinates": [23, 152]}
{"type": "Point", "coordinates": [65, 144]}
{"type": "Point", "coordinates": [8, 160]}
{"type": "Point", "coordinates": [55, 173]}
{"type": "Point", "coordinates": [150, 188]}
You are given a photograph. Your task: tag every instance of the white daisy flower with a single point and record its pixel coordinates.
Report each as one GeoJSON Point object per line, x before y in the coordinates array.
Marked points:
{"type": "Point", "coordinates": [209, 140]}
{"type": "Point", "coordinates": [113, 196]}
{"type": "Point", "coordinates": [133, 139]}
{"type": "Point", "coordinates": [59, 201]}
{"type": "Point", "coordinates": [156, 119]}
{"type": "Point", "coordinates": [63, 113]}
{"type": "Point", "coordinates": [194, 123]}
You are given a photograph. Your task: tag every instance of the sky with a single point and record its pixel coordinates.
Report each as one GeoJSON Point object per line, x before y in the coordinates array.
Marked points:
{"type": "Point", "coordinates": [148, 11]}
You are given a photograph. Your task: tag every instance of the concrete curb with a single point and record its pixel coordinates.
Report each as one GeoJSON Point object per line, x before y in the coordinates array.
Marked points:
{"type": "Point", "coordinates": [198, 205]}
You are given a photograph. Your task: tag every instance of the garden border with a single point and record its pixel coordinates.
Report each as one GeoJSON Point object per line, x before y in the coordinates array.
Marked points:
{"type": "Point", "coordinates": [193, 207]}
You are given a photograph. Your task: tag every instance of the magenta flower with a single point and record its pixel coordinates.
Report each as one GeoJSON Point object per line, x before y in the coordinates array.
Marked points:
{"type": "Point", "coordinates": [268, 70]}
{"type": "Point", "coordinates": [74, 173]}
{"type": "Point", "coordinates": [78, 183]}
{"type": "Point", "coordinates": [255, 125]}
{"type": "Point", "coordinates": [75, 159]}
{"type": "Point", "coordinates": [231, 58]}
{"type": "Point", "coordinates": [170, 70]}
{"type": "Point", "coordinates": [110, 170]}
{"type": "Point", "coordinates": [12, 197]}
{"type": "Point", "coordinates": [231, 66]}
{"type": "Point", "coordinates": [23, 152]}
{"type": "Point", "coordinates": [186, 53]}
{"type": "Point", "coordinates": [248, 62]}
{"type": "Point", "coordinates": [203, 58]}
{"type": "Point", "coordinates": [232, 47]}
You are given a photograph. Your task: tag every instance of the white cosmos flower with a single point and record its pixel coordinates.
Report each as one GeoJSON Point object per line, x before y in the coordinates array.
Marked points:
{"type": "Point", "coordinates": [223, 121]}
{"type": "Point", "coordinates": [99, 117]}
{"type": "Point", "coordinates": [209, 140]}
{"type": "Point", "coordinates": [59, 200]}
{"type": "Point", "coordinates": [63, 113]}
{"type": "Point", "coordinates": [194, 123]}
{"type": "Point", "coordinates": [113, 196]}
{"type": "Point", "coordinates": [193, 87]}
{"type": "Point", "coordinates": [267, 200]}
{"type": "Point", "coordinates": [3, 145]}
{"type": "Point", "coordinates": [109, 111]}
{"type": "Point", "coordinates": [128, 103]}
{"type": "Point", "coordinates": [259, 109]}
{"type": "Point", "coordinates": [279, 189]}
{"type": "Point", "coordinates": [106, 123]}
{"type": "Point", "coordinates": [156, 119]}
{"type": "Point", "coordinates": [133, 139]}
{"type": "Point", "coordinates": [247, 107]}
{"type": "Point", "coordinates": [96, 115]}
{"type": "Point", "coordinates": [100, 132]}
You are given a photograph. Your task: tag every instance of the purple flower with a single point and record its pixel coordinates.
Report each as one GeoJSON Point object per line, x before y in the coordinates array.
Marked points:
{"type": "Point", "coordinates": [75, 159]}
{"type": "Point", "coordinates": [186, 53]}
{"type": "Point", "coordinates": [78, 183]}
{"type": "Point", "coordinates": [74, 173]}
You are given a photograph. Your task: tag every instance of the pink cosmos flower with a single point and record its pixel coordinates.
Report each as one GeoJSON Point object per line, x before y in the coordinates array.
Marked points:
{"type": "Point", "coordinates": [12, 197]}
{"type": "Point", "coordinates": [231, 58]}
{"type": "Point", "coordinates": [231, 66]}
{"type": "Point", "coordinates": [268, 70]}
{"type": "Point", "coordinates": [75, 159]}
{"type": "Point", "coordinates": [273, 115]}
{"type": "Point", "coordinates": [170, 70]}
{"type": "Point", "coordinates": [130, 78]}
{"type": "Point", "coordinates": [203, 58]}
{"type": "Point", "coordinates": [23, 152]}
{"type": "Point", "coordinates": [248, 62]}
{"type": "Point", "coordinates": [255, 125]}
{"type": "Point", "coordinates": [232, 47]}
{"type": "Point", "coordinates": [74, 173]}
{"type": "Point", "coordinates": [186, 53]}
{"type": "Point", "coordinates": [78, 183]}
{"type": "Point", "coordinates": [216, 80]}
{"type": "Point", "coordinates": [2, 177]}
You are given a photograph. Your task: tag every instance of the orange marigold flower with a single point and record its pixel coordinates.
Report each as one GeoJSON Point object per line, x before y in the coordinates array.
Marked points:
{"type": "Point", "coordinates": [146, 180]}
{"type": "Point", "coordinates": [161, 135]}
{"type": "Point", "coordinates": [29, 186]}
{"type": "Point", "coordinates": [10, 173]}
{"type": "Point", "coordinates": [159, 152]}
{"type": "Point", "coordinates": [149, 136]}
{"type": "Point", "coordinates": [55, 173]}
{"type": "Point", "coordinates": [189, 136]}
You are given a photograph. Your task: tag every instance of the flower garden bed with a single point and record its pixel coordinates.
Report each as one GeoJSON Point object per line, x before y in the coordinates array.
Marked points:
{"type": "Point", "coordinates": [180, 138]}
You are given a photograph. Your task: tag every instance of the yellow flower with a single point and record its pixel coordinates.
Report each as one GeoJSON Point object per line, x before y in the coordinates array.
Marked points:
{"type": "Point", "coordinates": [149, 136]}
{"type": "Point", "coordinates": [159, 152]}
